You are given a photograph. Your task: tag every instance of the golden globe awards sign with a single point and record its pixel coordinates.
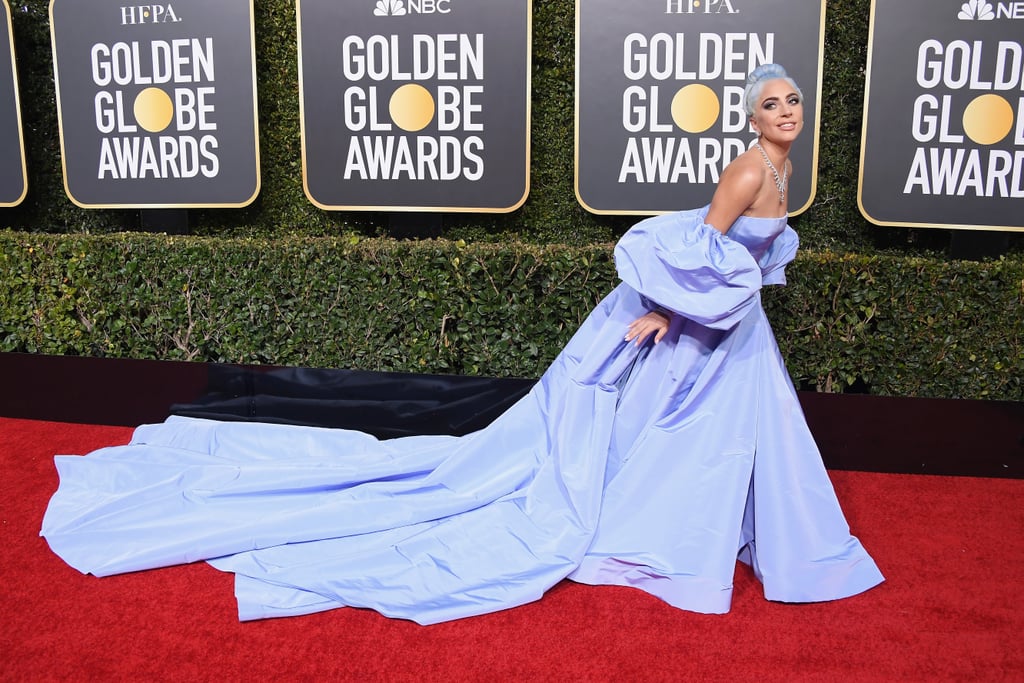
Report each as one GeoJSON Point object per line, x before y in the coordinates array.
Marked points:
{"type": "Point", "coordinates": [659, 109]}
{"type": "Point", "coordinates": [13, 178]}
{"type": "Point", "coordinates": [415, 104]}
{"type": "Point", "coordinates": [943, 134]}
{"type": "Point", "coordinates": [156, 103]}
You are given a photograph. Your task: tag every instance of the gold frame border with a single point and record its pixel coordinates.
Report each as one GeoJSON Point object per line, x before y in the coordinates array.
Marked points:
{"type": "Point", "coordinates": [639, 212]}
{"type": "Point", "coordinates": [421, 209]}
{"type": "Point", "coordinates": [255, 120]}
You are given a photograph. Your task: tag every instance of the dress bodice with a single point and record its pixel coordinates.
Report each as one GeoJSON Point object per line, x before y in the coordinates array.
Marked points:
{"type": "Point", "coordinates": [756, 234]}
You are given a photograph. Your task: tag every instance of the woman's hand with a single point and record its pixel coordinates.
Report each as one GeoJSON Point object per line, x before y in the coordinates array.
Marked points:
{"type": "Point", "coordinates": [655, 322]}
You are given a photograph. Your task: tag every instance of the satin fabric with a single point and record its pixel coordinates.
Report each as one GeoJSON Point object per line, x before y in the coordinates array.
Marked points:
{"type": "Point", "coordinates": [654, 466]}
{"type": "Point", "coordinates": [385, 404]}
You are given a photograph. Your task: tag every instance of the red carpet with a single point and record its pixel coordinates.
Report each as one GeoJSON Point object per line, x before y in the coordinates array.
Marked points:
{"type": "Point", "coordinates": [952, 550]}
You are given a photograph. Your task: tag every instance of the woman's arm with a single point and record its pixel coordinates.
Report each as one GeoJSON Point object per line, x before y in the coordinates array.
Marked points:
{"type": "Point", "coordinates": [737, 190]}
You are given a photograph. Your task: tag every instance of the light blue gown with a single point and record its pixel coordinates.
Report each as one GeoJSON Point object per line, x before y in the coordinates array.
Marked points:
{"type": "Point", "coordinates": [654, 467]}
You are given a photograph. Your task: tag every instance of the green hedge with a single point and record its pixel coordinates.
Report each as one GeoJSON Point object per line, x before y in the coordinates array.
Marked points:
{"type": "Point", "coordinates": [884, 324]}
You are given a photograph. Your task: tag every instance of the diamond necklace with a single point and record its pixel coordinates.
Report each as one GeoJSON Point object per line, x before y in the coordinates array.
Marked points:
{"type": "Point", "coordinates": [780, 183]}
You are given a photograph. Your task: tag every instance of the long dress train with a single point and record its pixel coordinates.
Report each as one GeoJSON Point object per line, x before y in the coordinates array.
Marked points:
{"type": "Point", "coordinates": [654, 466]}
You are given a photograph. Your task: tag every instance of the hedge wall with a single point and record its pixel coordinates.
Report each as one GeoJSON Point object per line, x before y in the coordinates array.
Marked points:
{"type": "Point", "coordinates": [885, 324]}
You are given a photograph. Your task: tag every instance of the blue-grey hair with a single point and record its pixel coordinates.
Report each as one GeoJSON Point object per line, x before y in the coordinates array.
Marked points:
{"type": "Point", "coordinates": [756, 80]}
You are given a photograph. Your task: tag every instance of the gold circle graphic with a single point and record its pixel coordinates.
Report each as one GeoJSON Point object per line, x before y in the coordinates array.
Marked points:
{"type": "Point", "coordinates": [988, 119]}
{"type": "Point", "coordinates": [695, 108]}
{"type": "Point", "coordinates": [411, 107]}
{"type": "Point", "coordinates": [153, 109]}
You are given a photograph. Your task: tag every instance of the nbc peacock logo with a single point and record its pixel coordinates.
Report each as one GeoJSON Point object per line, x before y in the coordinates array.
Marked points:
{"type": "Point", "coordinates": [975, 10]}
{"type": "Point", "coordinates": [401, 8]}
{"type": "Point", "coordinates": [981, 10]}
{"type": "Point", "coordinates": [389, 8]}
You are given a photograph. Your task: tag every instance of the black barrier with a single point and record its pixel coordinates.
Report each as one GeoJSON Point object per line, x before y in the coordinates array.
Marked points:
{"type": "Point", "coordinates": [855, 432]}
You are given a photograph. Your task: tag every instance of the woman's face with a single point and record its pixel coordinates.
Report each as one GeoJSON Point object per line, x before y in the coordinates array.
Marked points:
{"type": "Point", "coordinates": [779, 112]}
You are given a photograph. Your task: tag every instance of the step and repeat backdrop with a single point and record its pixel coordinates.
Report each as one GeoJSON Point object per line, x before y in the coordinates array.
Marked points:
{"type": "Point", "coordinates": [424, 105]}
{"type": "Point", "coordinates": [13, 175]}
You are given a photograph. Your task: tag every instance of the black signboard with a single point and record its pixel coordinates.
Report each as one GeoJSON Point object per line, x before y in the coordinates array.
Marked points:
{"type": "Point", "coordinates": [659, 108]}
{"type": "Point", "coordinates": [943, 135]}
{"type": "Point", "coordinates": [418, 105]}
{"type": "Point", "coordinates": [13, 178]}
{"type": "Point", "coordinates": [156, 103]}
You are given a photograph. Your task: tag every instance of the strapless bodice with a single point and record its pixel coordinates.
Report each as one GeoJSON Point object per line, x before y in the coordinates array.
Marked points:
{"type": "Point", "coordinates": [756, 234]}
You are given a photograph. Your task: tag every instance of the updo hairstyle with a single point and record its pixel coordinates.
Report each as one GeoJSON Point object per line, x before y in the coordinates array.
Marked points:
{"type": "Point", "coordinates": [756, 80]}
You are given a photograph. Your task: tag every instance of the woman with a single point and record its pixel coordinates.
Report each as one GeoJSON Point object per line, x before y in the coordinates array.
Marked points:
{"type": "Point", "coordinates": [750, 184]}
{"type": "Point", "coordinates": [662, 444]}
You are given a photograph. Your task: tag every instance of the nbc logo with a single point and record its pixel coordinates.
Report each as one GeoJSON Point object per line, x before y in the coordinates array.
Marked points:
{"type": "Point", "coordinates": [389, 8]}
{"type": "Point", "coordinates": [981, 10]}
{"type": "Point", "coordinates": [973, 10]}
{"type": "Point", "coordinates": [400, 8]}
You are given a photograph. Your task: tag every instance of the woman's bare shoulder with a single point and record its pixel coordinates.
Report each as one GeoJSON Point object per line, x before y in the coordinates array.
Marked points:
{"type": "Point", "coordinates": [738, 189]}
{"type": "Point", "coordinates": [746, 169]}
{"type": "Point", "coordinates": [741, 181]}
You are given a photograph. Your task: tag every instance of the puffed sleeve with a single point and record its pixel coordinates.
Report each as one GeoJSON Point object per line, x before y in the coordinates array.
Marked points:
{"type": "Point", "coordinates": [690, 268]}
{"type": "Point", "coordinates": [774, 261]}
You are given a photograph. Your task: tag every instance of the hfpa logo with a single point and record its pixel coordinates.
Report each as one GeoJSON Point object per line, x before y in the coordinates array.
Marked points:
{"type": "Point", "coordinates": [148, 14]}
{"type": "Point", "coordinates": [400, 8]}
{"type": "Point", "coordinates": [699, 7]}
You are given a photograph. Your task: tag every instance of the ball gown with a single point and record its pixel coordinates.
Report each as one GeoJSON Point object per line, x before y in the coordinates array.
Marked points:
{"type": "Point", "coordinates": [655, 466]}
